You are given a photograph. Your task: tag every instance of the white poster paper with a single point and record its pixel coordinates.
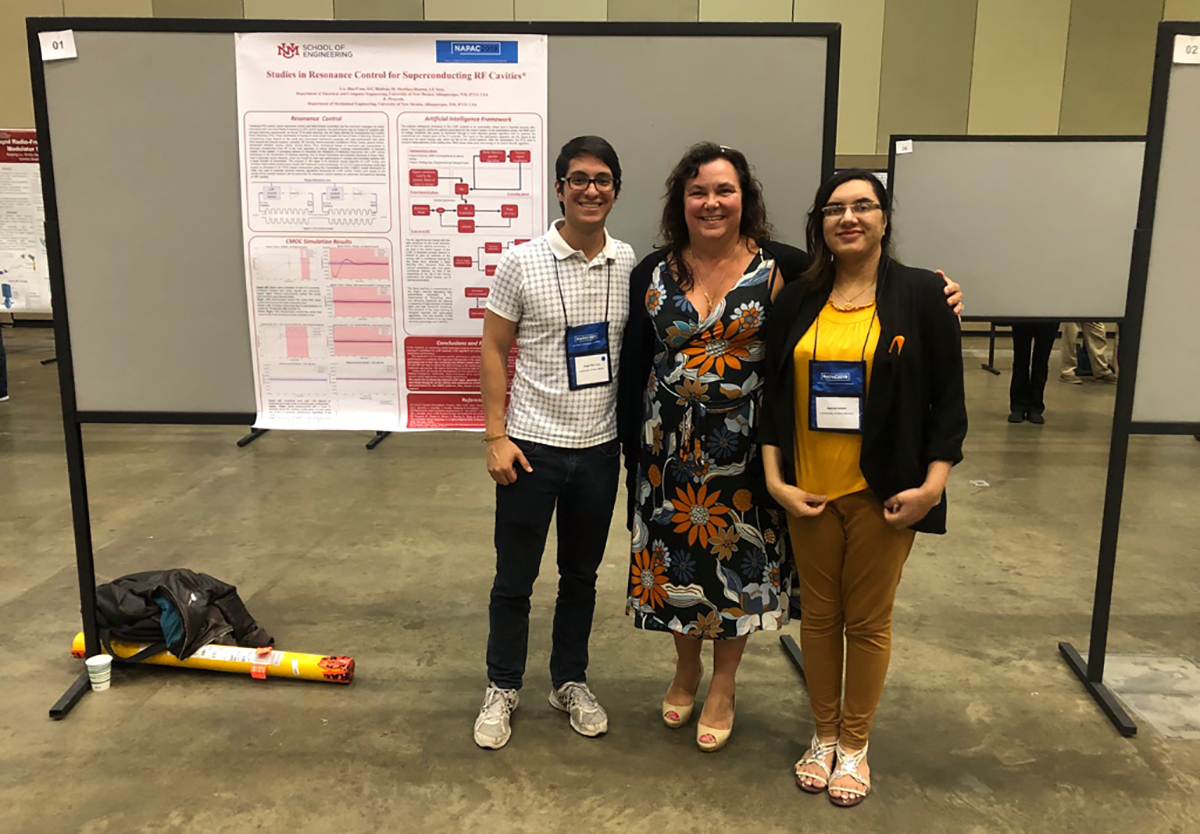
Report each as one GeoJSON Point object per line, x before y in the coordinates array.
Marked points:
{"type": "Point", "coordinates": [24, 275]}
{"type": "Point", "coordinates": [383, 177]}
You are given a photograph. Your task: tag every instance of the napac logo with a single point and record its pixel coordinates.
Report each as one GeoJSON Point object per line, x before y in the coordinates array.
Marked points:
{"type": "Point", "coordinates": [288, 50]}
{"type": "Point", "coordinates": [475, 48]}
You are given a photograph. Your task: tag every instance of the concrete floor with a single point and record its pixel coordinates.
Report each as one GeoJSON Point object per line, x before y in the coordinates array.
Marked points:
{"type": "Point", "coordinates": [386, 556]}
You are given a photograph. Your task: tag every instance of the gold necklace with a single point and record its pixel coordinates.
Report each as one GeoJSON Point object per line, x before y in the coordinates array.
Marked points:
{"type": "Point", "coordinates": [849, 302]}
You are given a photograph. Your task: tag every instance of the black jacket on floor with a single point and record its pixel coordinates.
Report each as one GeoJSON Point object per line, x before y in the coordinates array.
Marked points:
{"type": "Point", "coordinates": [916, 410]}
{"type": "Point", "coordinates": [211, 611]}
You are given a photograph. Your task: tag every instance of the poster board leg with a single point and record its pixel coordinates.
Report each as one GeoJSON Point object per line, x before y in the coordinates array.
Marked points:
{"type": "Point", "coordinates": [63, 706]}
{"type": "Point", "coordinates": [990, 366]}
{"type": "Point", "coordinates": [379, 437]}
{"type": "Point", "coordinates": [50, 361]}
{"type": "Point", "coordinates": [254, 434]}
{"type": "Point", "coordinates": [1100, 693]}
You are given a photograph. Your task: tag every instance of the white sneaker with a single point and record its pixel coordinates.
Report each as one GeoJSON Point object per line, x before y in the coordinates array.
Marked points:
{"type": "Point", "coordinates": [588, 718]}
{"type": "Point", "coordinates": [492, 727]}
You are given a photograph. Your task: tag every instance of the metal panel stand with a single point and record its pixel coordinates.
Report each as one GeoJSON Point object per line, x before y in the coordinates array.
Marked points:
{"type": "Point", "coordinates": [990, 367]}
{"type": "Point", "coordinates": [379, 437]}
{"type": "Point", "coordinates": [793, 652]}
{"type": "Point", "coordinates": [71, 697]}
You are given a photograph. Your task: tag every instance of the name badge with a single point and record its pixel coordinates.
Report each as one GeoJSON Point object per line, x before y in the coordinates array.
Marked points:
{"type": "Point", "coordinates": [588, 361]}
{"type": "Point", "coordinates": [837, 393]}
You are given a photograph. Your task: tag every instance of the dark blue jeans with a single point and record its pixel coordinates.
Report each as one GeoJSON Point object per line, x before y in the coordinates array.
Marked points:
{"type": "Point", "coordinates": [582, 485]}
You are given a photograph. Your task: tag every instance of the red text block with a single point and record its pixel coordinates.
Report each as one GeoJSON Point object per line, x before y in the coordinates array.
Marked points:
{"type": "Point", "coordinates": [462, 188]}
{"type": "Point", "coordinates": [492, 156]}
{"type": "Point", "coordinates": [519, 156]}
{"type": "Point", "coordinates": [467, 227]}
{"type": "Point", "coordinates": [466, 210]}
{"type": "Point", "coordinates": [493, 248]}
{"type": "Point", "coordinates": [463, 261]}
{"type": "Point", "coordinates": [420, 211]}
{"type": "Point", "coordinates": [423, 176]}
{"type": "Point", "coordinates": [508, 211]}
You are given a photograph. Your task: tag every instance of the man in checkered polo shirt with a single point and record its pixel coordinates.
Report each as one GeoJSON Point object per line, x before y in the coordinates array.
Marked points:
{"type": "Point", "coordinates": [564, 298]}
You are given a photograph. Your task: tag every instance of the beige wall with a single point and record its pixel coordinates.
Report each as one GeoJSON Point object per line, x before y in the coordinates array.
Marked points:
{"type": "Point", "coordinates": [859, 73]}
{"type": "Point", "coordinates": [1017, 72]}
{"type": "Point", "coordinates": [1110, 64]}
{"type": "Point", "coordinates": [16, 103]}
{"type": "Point", "coordinates": [288, 9]}
{"type": "Point", "coordinates": [1182, 10]}
{"type": "Point", "coordinates": [944, 66]}
{"type": "Point", "coordinates": [927, 55]}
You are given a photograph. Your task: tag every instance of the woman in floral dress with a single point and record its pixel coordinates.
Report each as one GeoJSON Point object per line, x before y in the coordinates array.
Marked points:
{"type": "Point", "coordinates": [708, 542]}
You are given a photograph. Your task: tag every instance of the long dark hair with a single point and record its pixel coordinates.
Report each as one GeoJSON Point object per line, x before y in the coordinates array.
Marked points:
{"type": "Point", "coordinates": [820, 272]}
{"type": "Point", "coordinates": [673, 231]}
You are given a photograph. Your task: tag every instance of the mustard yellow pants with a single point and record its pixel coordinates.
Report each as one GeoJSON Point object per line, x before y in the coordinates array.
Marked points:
{"type": "Point", "coordinates": [849, 560]}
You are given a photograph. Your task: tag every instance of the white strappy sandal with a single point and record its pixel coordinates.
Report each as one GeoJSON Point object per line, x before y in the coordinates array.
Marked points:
{"type": "Point", "coordinates": [818, 752]}
{"type": "Point", "coordinates": [847, 765]}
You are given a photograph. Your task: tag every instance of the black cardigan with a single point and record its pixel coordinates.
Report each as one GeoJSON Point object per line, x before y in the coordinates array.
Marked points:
{"type": "Point", "coordinates": [916, 410]}
{"type": "Point", "coordinates": [637, 347]}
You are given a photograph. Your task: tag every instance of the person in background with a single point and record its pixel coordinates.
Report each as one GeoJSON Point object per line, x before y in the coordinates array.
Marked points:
{"type": "Point", "coordinates": [863, 417]}
{"type": "Point", "coordinates": [1032, 343]}
{"type": "Point", "coordinates": [1095, 341]}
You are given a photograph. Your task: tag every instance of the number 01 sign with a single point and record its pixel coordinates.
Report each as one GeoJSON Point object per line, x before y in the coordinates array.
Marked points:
{"type": "Point", "coordinates": [57, 46]}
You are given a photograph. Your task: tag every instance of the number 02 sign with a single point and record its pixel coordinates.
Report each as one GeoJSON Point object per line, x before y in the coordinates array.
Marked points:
{"type": "Point", "coordinates": [1187, 49]}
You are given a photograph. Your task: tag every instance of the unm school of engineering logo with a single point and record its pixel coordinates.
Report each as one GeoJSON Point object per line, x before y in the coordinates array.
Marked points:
{"type": "Point", "coordinates": [314, 50]}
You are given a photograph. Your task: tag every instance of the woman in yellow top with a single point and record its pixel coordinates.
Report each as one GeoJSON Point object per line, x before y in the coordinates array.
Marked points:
{"type": "Point", "coordinates": [863, 417]}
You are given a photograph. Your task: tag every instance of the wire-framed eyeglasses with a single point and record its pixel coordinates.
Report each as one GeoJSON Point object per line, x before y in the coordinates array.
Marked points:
{"type": "Point", "coordinates": [857, 207]}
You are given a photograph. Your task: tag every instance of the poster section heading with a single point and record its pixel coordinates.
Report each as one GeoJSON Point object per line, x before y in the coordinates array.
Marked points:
{"type": "Point", "coordinates": [382, 182]}
{"type": "Point", "coordinates": [24, 272]}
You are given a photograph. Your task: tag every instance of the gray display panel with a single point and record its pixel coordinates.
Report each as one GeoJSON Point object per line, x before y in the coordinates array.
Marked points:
{"type": "Point", "coordinates": [1031, 229]}
{"type": "Point", "coordinates": [144, 142]}
{"type": "Point", "coordinates": [1168, 383]}
{"type": "Point", "coordinates": [652, 102]}
{"type": "Point", "coordinates": [144, 138]}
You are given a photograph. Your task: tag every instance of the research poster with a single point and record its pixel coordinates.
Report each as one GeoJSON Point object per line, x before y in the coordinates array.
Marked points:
{"type": "Point", "coordinates": [24, 275]}
{"type": "Point", "coordinates": [383, 178]}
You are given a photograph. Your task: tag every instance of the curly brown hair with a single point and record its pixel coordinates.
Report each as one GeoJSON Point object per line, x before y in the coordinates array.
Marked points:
{"type": "Point", "coordinates": [673, 231]}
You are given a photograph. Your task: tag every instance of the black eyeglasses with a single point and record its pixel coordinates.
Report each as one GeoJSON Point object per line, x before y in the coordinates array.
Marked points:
{"type": "Point", "coordinates": [580, 182]}
{"type": "Point", "coordinates": [857, 207]}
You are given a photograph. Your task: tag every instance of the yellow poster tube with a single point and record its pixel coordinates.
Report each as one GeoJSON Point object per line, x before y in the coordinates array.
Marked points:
{"type": "Point", "coordinates": [275, 664]}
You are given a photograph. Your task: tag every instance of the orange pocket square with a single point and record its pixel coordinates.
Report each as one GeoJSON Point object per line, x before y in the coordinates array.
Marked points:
{"type": "Point", "coordinates": [897, 345]}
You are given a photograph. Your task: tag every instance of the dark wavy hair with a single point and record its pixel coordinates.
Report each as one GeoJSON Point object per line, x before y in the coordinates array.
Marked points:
{"type": "Point", "coordinates": [673, 231]}
{"type": "Point", "coordinates": [820, 272]}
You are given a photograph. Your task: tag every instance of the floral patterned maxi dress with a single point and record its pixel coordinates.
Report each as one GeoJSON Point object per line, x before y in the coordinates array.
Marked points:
{"type": "Point", "coordinates": [708, 542]}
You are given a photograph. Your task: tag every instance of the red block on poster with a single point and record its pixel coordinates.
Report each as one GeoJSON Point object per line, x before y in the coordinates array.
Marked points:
{"type": "Point", "coordinates": [476, 312]}
{"type": "Point", "coordinates": [462, 188]}
{"type": "Point", "coordinates": [467, 227]}
{"type": "Point", "coordinates": [423, 176]}
{"type": "Point", "coordinates": [466, 210]}
{"type": "Point", "coordinates": [508, 211]}
{"type": "Point", "coordinates": [420, 211]}
{"type": "Point", "coordinates": [520, 240]}
{"type": "Point", "coordinates": [493, 248]}
{"type": "Point", "coordinates": [519, 156]}
{"type": "Point", "coordinates": [492, 156]}
{"type": "Point", "coordinates": [462, 261]}
{"type": "Point", "coordinates": [489, 270]}
{"type": "Point", "coordinates": [478, 292]}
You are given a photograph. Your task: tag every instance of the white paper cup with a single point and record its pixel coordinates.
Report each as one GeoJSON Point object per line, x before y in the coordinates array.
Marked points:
{"type": "Point", "coordinates": [99, 669]}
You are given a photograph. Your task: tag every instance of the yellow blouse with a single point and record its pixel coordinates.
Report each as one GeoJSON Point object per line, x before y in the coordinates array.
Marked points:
{"type": "Point", "coordinates": [827, 462]}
